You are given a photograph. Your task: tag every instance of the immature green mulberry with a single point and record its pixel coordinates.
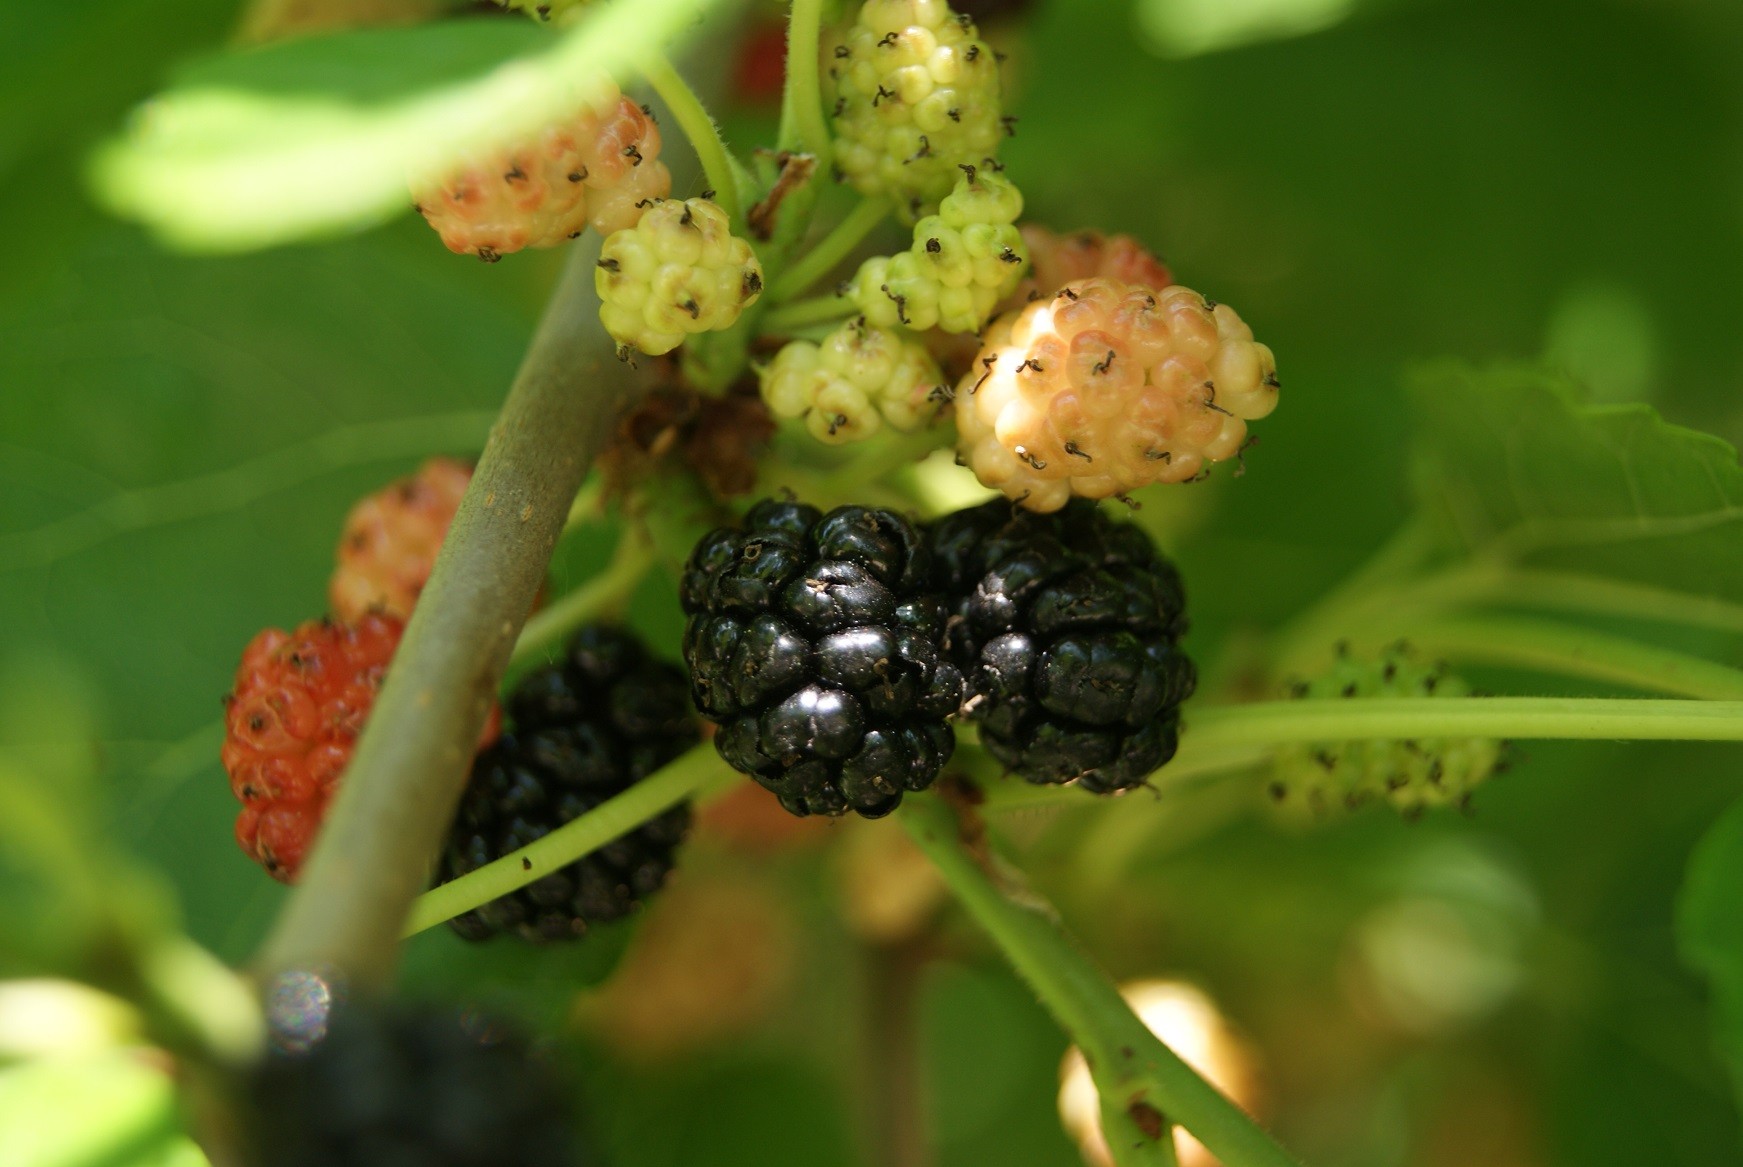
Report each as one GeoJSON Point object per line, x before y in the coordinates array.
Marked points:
{"type": "Point", "coordinates": [677, 272]}
{"type": "Point", "coordinates": [858, 378]}
{"type": "Point", "coordinates": [916, 94]}
{"type": "Point", "coordinates": [963, 261]}
{"type": "Point", "coordinates": [1412, 774]}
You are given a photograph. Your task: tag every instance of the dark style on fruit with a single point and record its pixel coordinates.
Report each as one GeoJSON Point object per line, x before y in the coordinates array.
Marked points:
{"type": "Point", "coordinates": [814, 642]}
{"type": "Point", "coordinates": [1067, 627]}
{"type": "Point", "coordinates": [385, 1083]}
{"type": "Point", "coordinates": [580, 732]}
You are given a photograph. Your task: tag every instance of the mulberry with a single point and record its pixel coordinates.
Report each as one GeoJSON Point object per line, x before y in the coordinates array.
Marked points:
{"type": "Point", "coordinates": [1108, 387]}
{"type": "Point", "coordinates": [1067, 627]}
{"type": "Point", "coordinates": [814, 642]}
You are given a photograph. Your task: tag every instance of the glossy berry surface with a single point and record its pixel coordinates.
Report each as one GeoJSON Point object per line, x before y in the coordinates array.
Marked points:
{"type": "Point", "coordinates": [1067, 627]}
{"type": "Point", "coordinates": [372, 1084]}
{"type": "Point", "coordinates": [1107, 387]}
{"type": "Point", "coordinates": [391, 538]}
{"type": "Point", "coordinates": [814, 642]}
{"type": "Point", "coordinates": [580, 732]}
{"type": "Point", "coordinates": [679, 271]}
{"type": "Point", "coordinates": [597, 167]}
{"type": "Point", "coordinates": [300, 701]}
{"type": "Point", "coordinates": [1412, 775]}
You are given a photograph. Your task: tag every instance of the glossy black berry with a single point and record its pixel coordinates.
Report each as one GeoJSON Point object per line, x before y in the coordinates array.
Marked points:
{"type": "Point", "coordinates": [579, 733]}
{"type": "Point", "coordinates": [814, 642]}
{"type": "Point", "coordinates": [377, 1084]}
{"type": "Point", "coordinates": [1067, 627]}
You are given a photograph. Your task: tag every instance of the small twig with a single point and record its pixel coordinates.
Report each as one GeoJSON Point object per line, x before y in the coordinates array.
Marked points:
{"type": "Point", "coordinates": [802, 123]}
{"type": "Point", "coordinates": [830, 250]}
{"type": "Point", "coordinates": [802, 313]}
{"type": "Point", "coordinates": [700, 128]}
{"type": "Point", "coordinates": [385, 827]}
{"type": "Point", "coordinates": [1140, 1078]}
{"type": "Point", "coordinates": [687, 777]}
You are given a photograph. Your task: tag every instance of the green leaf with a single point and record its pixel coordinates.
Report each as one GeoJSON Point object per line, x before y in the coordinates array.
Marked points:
{"type": "Point", "coordinates": [537, 983]}
{"type": "Point", "coordinates": [112, 1109]}
{"type": "Point", "coordinates": [1710, 930]}
{"type": "Point", "coordinates": [1514, 468]}
{"type": "Point", "coordinates": [318, 136]}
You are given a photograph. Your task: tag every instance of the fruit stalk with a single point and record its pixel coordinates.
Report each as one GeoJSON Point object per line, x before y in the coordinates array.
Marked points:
{"type": "Point", "coordinates": [1151, 1085]}
{"type": "Point", "coordinates": [387, 823]}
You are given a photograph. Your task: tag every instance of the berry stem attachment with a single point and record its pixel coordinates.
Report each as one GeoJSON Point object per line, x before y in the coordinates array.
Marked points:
{"type": "Point", "coordinates": [386, 825]}
{"type": "Point", "coordinates": [690, 776]}
{"type": "Point", "coordinates": [722, 172]}
{"type": "Point", "coordinates": [830, 250]}
{"type": "Point", "coordinates": [1140, 1078]}
{"type": "Point", "coordinates": [804, 313]}
{"type": "Point", "coordinates": [602, 598]}
{"type": "Point", "coordinates": [802, 123]}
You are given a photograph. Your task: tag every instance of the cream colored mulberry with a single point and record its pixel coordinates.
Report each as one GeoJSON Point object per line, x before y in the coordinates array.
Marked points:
{"type": "Point", "coordinates": [1056, 260]}
{"type": "Point", "coordinates": [915, 94]}
{"type": "Point", "coordinates": [858, 378]}
{"type": "Point", "coordinates": [597, 168]}
{"type": "Point", "coordinates": [963, 261]}
{"type": "Point", "coordinates": [679, 271]}
{"type": "Point", "coordinates": [1108, 387]}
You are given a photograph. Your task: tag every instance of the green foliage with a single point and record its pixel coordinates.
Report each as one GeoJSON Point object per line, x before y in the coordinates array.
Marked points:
{"type": "Point", "coordinates": [317, 137]}
{"type": "Point", "coordinates": [1514, 468]}
{"type": "Point", "coordinates": [110, 1107]}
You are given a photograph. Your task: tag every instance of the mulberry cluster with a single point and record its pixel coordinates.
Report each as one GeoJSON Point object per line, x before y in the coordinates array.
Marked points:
{"type": "Point", "coordinates": [579, 733]}
{"type": "Point", "coordinates": [374, 1083]}
{"type": "Point", "coordinates": [814, 641]}
{"type": "Point", "coordinates": [1412, 775]}
{"type": "Point", "coordinates": [916, 95]}
{"type": "Point", "coordinates": [677, 272]}
{"type": "Point", "coordinates": [1107, 387]}
{"type": "Point", "coordinates": [391, 538]}
{"type": "Point", "coordinates": [964, 260]}
{"type": "Point", "coordinates": [598, 167]}
{"type": "Point", "coordinates": [1067, 627]}
{"type": "Point", "coordinates": [858, 378]}
{"type": "Point", "coordinates": [300, 701]}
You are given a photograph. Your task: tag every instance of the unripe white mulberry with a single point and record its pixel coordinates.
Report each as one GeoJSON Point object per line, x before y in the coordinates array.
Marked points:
{"type": "Point", "coordinates": [1108, 387]}
{"type": "Point", "coordinates": [963, 261]}
{"type": "Point", "coordinates": [1323, 778]}
{"type": "Point", "coordinates": [916, 94]}
{"type": "Point", "coordinates": [594, 168]}
{"type": "Point", "coordinates": [677, 272]}
{"type": "Point", "coordinates": [858, 378]}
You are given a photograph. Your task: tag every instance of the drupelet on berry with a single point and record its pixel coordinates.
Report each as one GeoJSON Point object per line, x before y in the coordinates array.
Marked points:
{"type": "Point", "coordinates": [1413, 775]}
{"type": "Point", "coordinates": [964, 260]}
{"type": "Point", "coordinates": [580, 732]}
{"type": "Point", "coordinates": [679, 271]}
{"type": "Point", "coordinates": [1107, 387]}
{"type": "Point", "coordinates": [1067, 627]}
{"type": "Point", "coordinates": [814, 642]}
{"type": "Point", "coordinates": [391, 538]}
{"type": "Point", "coordinates": [854, 380]}
{"type": "Point", "coordinates": [915, 94]}
{"type": "Point", "coordinates": [598, 167]}
{"type": "Point", "coordinates": [1057, 260]}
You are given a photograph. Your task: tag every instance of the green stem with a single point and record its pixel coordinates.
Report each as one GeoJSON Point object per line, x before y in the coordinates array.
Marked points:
{"type": "Point", "coordinates": [1142, 1079]}
{"type": "Point", "coordinates": [604, 597]}
{"type": "Point", "coordinates": [803, 313]}
{"type": "Point", "coordinates": [1279, 723]}
{"type": "Point", "coordinates": [383, 831]}
{"type": "Point", "coordinates": [1577, 652]}
{"type": "Point", "coordinates": [699, 127]}
{"type": "Point", "coordinates": [830, 250]}
{"type": "Point", "coordinates": [803, 126]}
{"type": "Point", "coordinates": [687, 777]}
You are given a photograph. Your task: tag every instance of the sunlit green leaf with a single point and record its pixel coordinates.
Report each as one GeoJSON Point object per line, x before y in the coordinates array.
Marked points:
{"type": "Point", "coordinates": [1710, 930]}
{"type": "Point", "coordinates": [113, 1108]}
{"type": "Point", "coordinates": [1517, 469]}
{"type": "Point", "coordinates": [319, 136]}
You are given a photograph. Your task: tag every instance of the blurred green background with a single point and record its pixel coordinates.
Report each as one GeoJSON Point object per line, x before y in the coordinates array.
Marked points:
{"type": "Point", "coordinates": [1372, 184]}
